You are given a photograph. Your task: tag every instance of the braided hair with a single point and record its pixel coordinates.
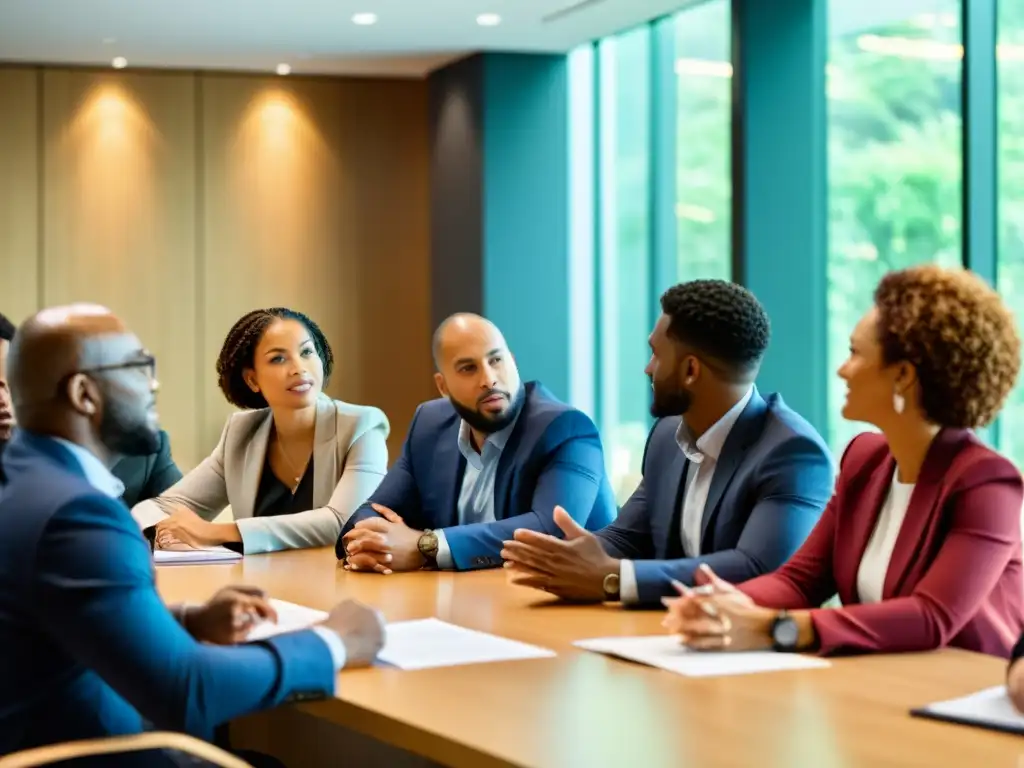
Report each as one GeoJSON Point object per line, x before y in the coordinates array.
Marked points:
{"type": "Point", "coordinates": [239, 352]}
{"type": "Point", "coordinates": [721, 319]}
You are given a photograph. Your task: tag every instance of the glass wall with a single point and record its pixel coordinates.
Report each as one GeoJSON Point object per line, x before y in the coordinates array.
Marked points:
{"type": "Point", "coordinates": [894, 157]}
{"type": "Point", "coordinates": [1010, 258]}
{"type": "Point", "coordinates": [663, 106]}
{"type": "Point", "coordinates": [703, 71]}
{"type": "Point", "coordinates": [624, 301]}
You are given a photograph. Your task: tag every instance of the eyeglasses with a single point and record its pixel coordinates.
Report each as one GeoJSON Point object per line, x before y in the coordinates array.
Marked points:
{"type": "Point", "coordinates": [147, 361]}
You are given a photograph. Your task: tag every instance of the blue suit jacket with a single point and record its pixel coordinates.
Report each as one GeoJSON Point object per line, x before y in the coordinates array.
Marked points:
{"type": "Point", "coordinates": [87, 647]}
{"type": "Point", "coordinates": [553, 457]}
{"type": "Point", "coordinates": [772, 482]}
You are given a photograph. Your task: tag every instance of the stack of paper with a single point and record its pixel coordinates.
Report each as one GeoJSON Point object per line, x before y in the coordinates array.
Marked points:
{"type": "Point", "coordinates": [427, 643]}
{"type": "Point", "coordinates": [665, 652]}
{"type": "Point", "coordinates": [203, 556]}
{"type": "Point", "coordinates": [990, 708]}
{"type": "Point", "coordinates": [419, 644]}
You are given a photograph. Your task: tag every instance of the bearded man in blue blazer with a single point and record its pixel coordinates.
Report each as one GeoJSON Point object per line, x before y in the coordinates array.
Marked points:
{"type": "Point", "coordinates": [488, 457]}
{"type": "Point", "coordinates": [732, 479]}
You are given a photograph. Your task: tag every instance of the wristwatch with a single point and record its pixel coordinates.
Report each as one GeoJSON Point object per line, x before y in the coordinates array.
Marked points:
{"type": "Point", "coordinates": [427, 546]}
{"type": "Point", "coordinates": [785, 632]}
{"type": "Point", "coordinates": [611, 588]}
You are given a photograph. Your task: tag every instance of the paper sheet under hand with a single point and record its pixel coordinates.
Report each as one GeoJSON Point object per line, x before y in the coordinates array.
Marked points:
{"type": "Point", "coordinates": [427, 643]}
{"type": "Point", "coordinates": [195, 556]}
{"type": "Point", "coordinates": [290, 618]}
{"type": "Point", "coordinates": [990, 708]}
{"type": "Point", "coordinates": [665, 652]}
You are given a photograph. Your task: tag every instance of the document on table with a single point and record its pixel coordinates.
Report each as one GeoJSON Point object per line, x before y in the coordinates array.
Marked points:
{"type": "Point", "coordinates": [427, 643]}
{"type": "Point", "coordinates": [665, 652]}
{"type": "Point", "coordinates": [290, 618]}
{"type": "Point", "coordinates": [990, 708]}
{"type": "Point", "coordinates": [200, 556]}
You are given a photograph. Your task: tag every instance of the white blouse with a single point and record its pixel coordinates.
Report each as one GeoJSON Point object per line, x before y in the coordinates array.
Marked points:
{"type": "Point", "coordinates": [875, 562]}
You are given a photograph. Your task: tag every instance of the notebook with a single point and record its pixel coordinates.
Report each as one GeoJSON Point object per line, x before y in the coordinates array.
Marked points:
{"type": "Point", "coordinates": [203, 556]}
{"type": "Point", "coordinates": [990, 708]}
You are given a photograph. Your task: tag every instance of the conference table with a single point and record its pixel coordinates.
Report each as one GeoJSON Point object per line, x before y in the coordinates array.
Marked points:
{"type": "Point", "coordinates": [579, 708]}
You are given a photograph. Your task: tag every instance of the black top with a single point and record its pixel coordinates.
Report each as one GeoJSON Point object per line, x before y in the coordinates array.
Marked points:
{"type": "Point", "coordinates": [274, 498]}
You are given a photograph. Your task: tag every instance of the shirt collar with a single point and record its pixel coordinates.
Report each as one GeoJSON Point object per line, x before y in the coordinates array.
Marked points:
{"type": "Point", "coordinates": [495, 441]}
{"type": "Point", "coordinates": [96, 473]}
{"type": "Point", "coordinates": [710, 444]}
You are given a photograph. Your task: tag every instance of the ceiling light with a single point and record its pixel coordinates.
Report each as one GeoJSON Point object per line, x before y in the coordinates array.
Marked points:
{"type": "Point", "coordinates": [488, 19]}
{"type": "Point", "coordinates": [119, 62]}
{"type": "Point", "coordinates": [364, 19]}
{"type": "Point", "coordinates": [284, 69]}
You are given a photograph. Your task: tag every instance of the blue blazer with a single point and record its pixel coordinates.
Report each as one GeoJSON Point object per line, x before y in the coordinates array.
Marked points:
{"type": "Point", "coordinates": [553, 456]}
{"type": "Point", "coordinates": [772, 482]}
{"type": "Point", "coordinates": [87, 647]}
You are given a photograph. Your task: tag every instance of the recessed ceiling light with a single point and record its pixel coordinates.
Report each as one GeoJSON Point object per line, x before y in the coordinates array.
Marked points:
{"type": "Point", "coordinates": [284, 69]}
{"type": "Point", "coordinates": [488, 19]}
{"type": "Point", "coordinates": [119, 62]}
{"type": "Point", "coordinates": [364, 19]}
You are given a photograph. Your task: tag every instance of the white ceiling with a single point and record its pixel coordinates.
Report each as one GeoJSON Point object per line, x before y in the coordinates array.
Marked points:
{"type": "Point", "coordinates": [411, 37]}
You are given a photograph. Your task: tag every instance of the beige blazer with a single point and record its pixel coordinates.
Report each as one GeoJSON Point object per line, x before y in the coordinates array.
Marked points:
{"type": "Point", "coordinates": [350, 456]}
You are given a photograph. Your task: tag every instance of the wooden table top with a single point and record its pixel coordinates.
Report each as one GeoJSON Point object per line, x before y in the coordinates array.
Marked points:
{"type": "Point", "coordinates": [583, 709]}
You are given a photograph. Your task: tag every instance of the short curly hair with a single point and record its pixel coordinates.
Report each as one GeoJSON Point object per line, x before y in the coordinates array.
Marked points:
{"type": "Point", "coordinates": [238, 352]}
{"type": "Point", "coordinates": [721, 319]}
{"type": "Point", "coordinates": [959, 336]}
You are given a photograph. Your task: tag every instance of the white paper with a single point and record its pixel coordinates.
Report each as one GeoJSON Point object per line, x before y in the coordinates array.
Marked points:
{"type": "Point", "coordinates": [205, 555]}
{"type": "Point", "coordinates": [290, 618]}
{"type": "Point", "coordinates": [665, 652]}
{"type": "Point", "coordinates": [427, 643]}
{"type": "Point", "coordinates": [991, 706]}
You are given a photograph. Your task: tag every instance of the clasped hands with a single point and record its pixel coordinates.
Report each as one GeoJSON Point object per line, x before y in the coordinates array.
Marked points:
{"type": "Point", "coordinates": [715, 615]}
{"type": "Point", "coordinates": [184, 529]}
{"type": "Point", "coordinates": [230, 615]}
{"type": "Point", "coordinates": [383, 544]}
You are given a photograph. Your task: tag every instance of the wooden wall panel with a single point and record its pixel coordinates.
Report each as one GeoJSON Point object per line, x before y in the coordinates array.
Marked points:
{"type": "Point", "coordinates": [19, 192]}
{"type": "Point", "coordinates": [315, 196]}
{"type": "Point", "coordinates": [119, 216]}
{"type": "Point", "coordinates": [182, 201]}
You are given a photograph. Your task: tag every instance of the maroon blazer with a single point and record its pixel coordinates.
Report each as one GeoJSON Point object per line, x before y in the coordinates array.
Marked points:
{"type": "Point", "coordinates": [955, 576]}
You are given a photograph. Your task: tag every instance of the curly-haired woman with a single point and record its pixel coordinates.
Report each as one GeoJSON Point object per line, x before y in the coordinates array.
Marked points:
{"type": "Point", "coordinates": [294, 465]}
{"type": "Point", "coordinates": [922, 537]}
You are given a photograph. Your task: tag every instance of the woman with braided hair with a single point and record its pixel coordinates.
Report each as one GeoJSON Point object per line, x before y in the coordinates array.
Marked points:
{"type": "Point", "coordinates": [293, 465]}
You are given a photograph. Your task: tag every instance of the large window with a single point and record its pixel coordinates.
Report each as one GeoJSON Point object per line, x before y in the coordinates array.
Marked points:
{"type": "Point", "coordinates": [703, 141]}
{"type": "Point", "coordinates": [663, 105]}
{"type": "Point", "coordinates": [624, 304]}
{"type": "Point", "coordinates": [894, 113]}
{"type": "Point", "coordinates": [1010, 261]}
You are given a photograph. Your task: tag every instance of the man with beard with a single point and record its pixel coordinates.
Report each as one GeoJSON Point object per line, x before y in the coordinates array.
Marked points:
{"type": "Point", "coordinates": [144, 476]}
{"type": "Point", "coordinates": [492, 455]}
{"type": "Point", "coordinates": [731, 480]}
{"type": "Point", "coordinates": [87, 647]}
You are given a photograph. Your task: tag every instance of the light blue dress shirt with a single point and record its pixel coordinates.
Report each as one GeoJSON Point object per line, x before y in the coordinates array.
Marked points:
{"type": "Point", "coordinates": [101, 478]}
{"type": "Point", "coordinates": [476, 496]}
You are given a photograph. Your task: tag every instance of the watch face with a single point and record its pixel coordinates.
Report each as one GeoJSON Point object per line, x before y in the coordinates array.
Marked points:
{"type": "Point", "coordinates": [785, 633]}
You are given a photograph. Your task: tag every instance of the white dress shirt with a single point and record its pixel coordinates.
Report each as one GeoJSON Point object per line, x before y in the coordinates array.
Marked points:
{"type": "Point", "coordinates": [101, 478]}
{"type": "Point", "coordinates": [476, 495]}
{"type": "Point", "coordinates": [702, 456]}
{"type": "Point", "coordinates": [874, 564]}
